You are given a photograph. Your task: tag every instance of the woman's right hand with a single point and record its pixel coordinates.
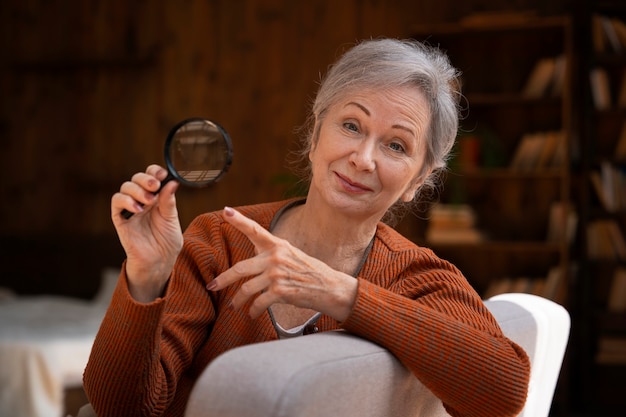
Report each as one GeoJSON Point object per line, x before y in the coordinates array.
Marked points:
{"type": "Point", "coordinates": [152, 238]}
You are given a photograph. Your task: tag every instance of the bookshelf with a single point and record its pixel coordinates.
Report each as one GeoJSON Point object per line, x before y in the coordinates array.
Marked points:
{"type": "Point", "coordinates": [510, 170]}
{"type": "Point", "coordinates": [601, 292]}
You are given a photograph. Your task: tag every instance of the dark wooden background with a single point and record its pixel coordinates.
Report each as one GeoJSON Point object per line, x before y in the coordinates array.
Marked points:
{"type": "Point", "coordinates": [91, 88]}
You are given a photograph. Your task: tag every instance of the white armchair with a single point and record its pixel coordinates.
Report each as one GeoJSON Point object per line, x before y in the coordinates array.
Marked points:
{"type": "Point", "coordinates": [338, 374]}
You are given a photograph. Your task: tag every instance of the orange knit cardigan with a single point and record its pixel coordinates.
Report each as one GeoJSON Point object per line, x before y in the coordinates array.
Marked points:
{"type": "Point", "coordinates": [146, 357]}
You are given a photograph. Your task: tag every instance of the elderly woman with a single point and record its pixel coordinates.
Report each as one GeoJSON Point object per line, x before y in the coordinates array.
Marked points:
{"type": "Point", "coordinates": [383, 123]}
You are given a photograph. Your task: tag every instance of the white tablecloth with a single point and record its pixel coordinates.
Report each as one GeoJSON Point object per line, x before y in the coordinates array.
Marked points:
{"type": "Point", "coordinates": [45, 343]}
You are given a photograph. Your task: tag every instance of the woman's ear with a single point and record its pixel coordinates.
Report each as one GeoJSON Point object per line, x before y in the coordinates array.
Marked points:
{"type": "Point", "coordinates": [315, 137]}
{"type": "Point", "coordinates": [409, 193]}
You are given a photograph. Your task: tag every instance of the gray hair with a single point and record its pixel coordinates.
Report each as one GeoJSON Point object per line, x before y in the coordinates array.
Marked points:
{"type": "Point", "coordinates": [381, 64]}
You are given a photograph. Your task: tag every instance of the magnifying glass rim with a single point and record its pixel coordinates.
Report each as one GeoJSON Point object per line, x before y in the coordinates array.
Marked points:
{"type": "Point", "coordinates": [170, 166]}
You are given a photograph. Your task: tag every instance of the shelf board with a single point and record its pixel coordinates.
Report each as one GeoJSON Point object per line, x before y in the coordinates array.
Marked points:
{"type": "Point", "coordinates": [497, 24]}
{"type": "Point", "coordinates": [510, 99]}
{"type": "Point", "coordinates": [503, 246]}
{"type": "Point", "coordinates": [507, 174]}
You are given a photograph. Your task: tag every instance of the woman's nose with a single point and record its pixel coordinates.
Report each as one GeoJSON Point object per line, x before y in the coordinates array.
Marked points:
{"type": "Point", "coordinates": [363, 156]}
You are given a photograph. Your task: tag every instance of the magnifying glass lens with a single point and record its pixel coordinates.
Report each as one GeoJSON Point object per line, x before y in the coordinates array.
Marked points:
{"type": "Point", "coordinates": [198, 152]}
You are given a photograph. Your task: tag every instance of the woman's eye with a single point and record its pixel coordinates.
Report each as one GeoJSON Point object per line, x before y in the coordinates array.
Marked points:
{"type": "Point", "coordinates": [351, 126]}
{"type": "Point", "coordinates": [396, 147]}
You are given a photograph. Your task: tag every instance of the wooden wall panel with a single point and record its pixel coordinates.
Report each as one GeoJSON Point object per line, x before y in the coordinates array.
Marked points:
{"type": "Point", "coordinates": [90, 90]}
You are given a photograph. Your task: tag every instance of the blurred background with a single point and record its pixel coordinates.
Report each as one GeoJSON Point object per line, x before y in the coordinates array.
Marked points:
{"type": "Point", "coordinates": [90, 89]}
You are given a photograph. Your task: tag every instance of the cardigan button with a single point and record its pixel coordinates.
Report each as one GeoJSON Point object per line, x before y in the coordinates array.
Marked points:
{"type": "Point", "coordinates": [310, 329]}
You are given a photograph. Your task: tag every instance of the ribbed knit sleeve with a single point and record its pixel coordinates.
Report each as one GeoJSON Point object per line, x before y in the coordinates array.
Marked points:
{"type": "Point", "coordinates": [146, 357]}
{"type": "Point", "coordinates": [423, 310]}
{"type": "Point", "coordinates": [142, 351]}
{"type": "Point", "coordinates": [128, 331]}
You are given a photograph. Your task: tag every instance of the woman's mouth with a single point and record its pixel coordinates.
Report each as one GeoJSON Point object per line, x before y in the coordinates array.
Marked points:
{"type": "Point", "coordinates": [352, 186]}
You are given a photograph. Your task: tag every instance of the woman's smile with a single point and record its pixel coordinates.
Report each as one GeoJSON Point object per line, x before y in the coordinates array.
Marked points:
{"type": "Point", "coordinates": [352, 186]}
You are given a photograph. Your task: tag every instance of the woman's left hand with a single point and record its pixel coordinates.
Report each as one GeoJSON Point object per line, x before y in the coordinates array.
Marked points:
{"type": "Point", "coordinates": [281, 273]}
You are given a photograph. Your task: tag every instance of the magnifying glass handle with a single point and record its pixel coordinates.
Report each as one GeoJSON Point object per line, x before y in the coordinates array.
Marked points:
{"type": "Point", "coordinates": [127, 214]}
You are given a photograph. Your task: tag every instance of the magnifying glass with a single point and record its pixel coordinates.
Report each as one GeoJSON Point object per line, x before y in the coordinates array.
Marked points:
{"type": "Point", "coordinates": [198, 152]}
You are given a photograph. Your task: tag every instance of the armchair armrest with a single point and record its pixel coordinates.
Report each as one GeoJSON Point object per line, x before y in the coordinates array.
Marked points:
{"type": "Point", "coordinates": [332, 373]}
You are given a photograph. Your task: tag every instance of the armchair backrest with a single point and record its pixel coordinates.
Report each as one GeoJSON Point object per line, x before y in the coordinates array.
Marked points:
{"type": "Point", "coordinates": [336, 373]}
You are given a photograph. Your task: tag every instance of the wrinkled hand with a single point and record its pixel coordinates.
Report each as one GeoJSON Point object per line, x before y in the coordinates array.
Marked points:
{"type": "Point", "coordinates": [152, 238]}
{"type": "Point", "coordinates": [281, 273]}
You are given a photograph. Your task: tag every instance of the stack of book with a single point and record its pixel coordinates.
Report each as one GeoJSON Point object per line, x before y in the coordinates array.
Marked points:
{"type": "Point", "coordinates": [452, 224]}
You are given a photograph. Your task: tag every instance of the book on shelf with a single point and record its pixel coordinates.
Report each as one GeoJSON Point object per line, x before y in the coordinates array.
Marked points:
{"type": "Point", "coordinates": [599, 188]}
{"type": "Point", "coordinates": [621, 95]}
{"type": "Point", "coordinates": [609, 183]}
{"type": "Point", "coordinates": [508, 285]}
{"type": "Point", "coordinates": [452, 223]}
{"type": "Point", "coordinates": [527, 152]}
{"type": "Point", "coordinates": [539, 150]}
{"type": "Point", "coordinates": [553, 149]}
{"type": "Point", "coordinates": [617, 293]}
{"type": "Point", "coordinates": [468, 155]}
{"type": "Point", "coordinates": [550, 286]}
{"type": "Point", "coordinates": [558, 80]}
{"type": "Point", "coordinates": [619, 26]}
{"type": "Point", "coordinates": [539, 78]}
{"type": "Point", "coordinates": [598, 38]}
{"type": "Point", "coordinates": [620, 147]}
{"type": "Point", "coordinates": [600, 88]}
{"type": "Point", "coordinates": [617, 238]}
{"type": "Point", "coordinates": [562, 223]}
{"type": "Point", "coordinates": [554, 288]}
{"type": "Point", "coordinates": [608, 34]}
{"type": "Point", "coordinates": [599, 244]}
{"type": "Point", "coordinates": [546, 77]}
{"type": "Point", "coordinates": [498, 286]}
{"type": "Point", "coordinates": [524, 284]}
{"type": "Point", "coordinates": [605, 240]}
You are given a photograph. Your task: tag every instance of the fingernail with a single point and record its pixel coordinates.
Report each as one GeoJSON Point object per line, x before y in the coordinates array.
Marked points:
{"type": "Point", "coordinates": [229, 211]}
{"type": "Point", "coordinates": [211, 285]}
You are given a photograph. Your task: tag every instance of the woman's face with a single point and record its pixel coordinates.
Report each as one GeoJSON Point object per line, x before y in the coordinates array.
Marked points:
{"type": "Point", "coordinates": [370, 150]}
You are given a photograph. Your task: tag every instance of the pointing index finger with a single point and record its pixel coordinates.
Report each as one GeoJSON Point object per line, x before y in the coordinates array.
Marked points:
{"type": "Point", "coordinates": [259, 236]}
